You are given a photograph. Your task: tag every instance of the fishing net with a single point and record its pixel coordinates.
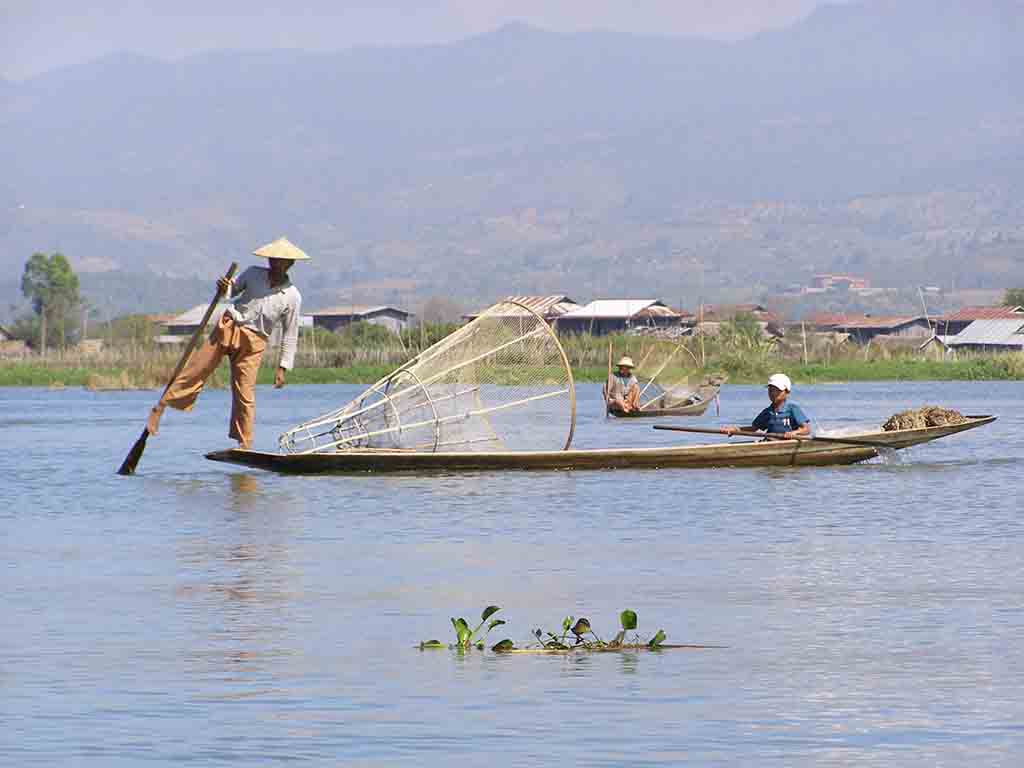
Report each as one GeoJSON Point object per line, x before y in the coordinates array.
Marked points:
{"type": "Point", "coordinates": [663, 370]}
{"type": "Point", "coordinates": [928, 416]}
{"type": "Point", "coordinates": [500, 382]}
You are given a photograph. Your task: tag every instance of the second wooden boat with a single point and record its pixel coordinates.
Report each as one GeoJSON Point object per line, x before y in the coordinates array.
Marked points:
{"type": "Point", "coordinates": [693, 403]}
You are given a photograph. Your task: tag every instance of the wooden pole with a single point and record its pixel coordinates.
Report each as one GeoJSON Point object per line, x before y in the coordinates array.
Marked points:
{"type": "Point", "coordinates": [608, 381]}
{"type": "Point", "coordinates": [700, 326]}
{"type": "Point", "coordinates": [132, 459]}
{"type": "Point", "coordinates": [803, 333]}
{"type": "Point", "coordinates": [770, 436]}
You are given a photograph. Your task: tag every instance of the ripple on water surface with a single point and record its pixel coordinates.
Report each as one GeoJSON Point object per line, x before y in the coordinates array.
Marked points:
{"type": "Point", "coordinates": [201, 613]}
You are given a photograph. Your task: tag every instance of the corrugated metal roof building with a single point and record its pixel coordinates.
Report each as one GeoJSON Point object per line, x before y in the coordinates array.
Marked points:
{"type": "Point", "coordinates": [549, 307]}
{"type": "Point", "coordinates": [604, 316]}
{"type": "Point", "coordinates": [1001, 335]}
{"type": "Point", "coordinates": [187, 322]}
{"type": "Point", "coordinates": [867, 328]}
{"type": "Point", "coordinates": [179, 327]}
{"type": "Point", "coordinates": [336, 318]}
{"type": "Point", "coordinates": [954, 322]}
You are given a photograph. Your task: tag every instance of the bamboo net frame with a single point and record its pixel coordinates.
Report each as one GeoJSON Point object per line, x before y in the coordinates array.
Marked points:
{"type": "Point", "coordinates": [484, 387]}
{"type": "Point", "coordinates": [664, 368]}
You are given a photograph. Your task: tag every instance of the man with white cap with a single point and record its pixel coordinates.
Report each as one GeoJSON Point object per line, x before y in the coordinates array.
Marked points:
{"type": "Point", "coordinates": [622, 392]}
{"type": "Point", "coordinates": [263, 297]}
{"type": "Point", "coordinates": [781, 417]}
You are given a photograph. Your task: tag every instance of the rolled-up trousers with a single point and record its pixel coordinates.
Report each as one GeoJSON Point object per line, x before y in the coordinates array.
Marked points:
{"type": "Point", "coordinates": [244, 348]}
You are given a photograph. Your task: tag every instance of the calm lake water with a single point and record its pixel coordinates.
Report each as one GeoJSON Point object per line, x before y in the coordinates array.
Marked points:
{"type": "Point", "coordinates": [200, 613]}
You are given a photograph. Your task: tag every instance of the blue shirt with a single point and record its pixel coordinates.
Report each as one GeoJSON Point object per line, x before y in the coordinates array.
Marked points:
{"type": "Point", "coordinates": [786, 419]}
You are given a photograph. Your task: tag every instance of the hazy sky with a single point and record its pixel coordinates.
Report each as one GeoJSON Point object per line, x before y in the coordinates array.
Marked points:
{"type": "Point", "coordinates": [37, 35]}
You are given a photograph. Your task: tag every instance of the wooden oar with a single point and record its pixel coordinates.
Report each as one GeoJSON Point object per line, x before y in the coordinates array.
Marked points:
{"type": "Point", "coordinates": [132, 459]}
{"type": "Point", "coordinates": [770, 436]}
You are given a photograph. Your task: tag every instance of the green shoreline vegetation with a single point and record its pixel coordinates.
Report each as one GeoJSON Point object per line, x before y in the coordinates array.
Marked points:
{"type": "Point", "coordinates": [1009, 367]}
{"type": "Point", "coordinates": [127, 358]}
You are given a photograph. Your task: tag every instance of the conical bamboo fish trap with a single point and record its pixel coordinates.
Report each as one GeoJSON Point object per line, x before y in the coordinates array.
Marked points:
{"type": "Point", "coordinates": [485, 387]}
{"type": "Point", "coordinates": [663, 370]}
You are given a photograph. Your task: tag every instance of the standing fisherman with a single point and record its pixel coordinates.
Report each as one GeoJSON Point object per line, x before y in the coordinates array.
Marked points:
{"type": "Point", "coordinates": [262, 297]}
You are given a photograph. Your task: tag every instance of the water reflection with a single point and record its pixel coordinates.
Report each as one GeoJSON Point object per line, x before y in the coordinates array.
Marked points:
{"type": "Point", "coordinates": [239, 585]}
{"type": "Point", "coordinates": [872, 613]}
{"type": "Point", "coordinates": [244, 486]}
{"type": "Point", "coordinates": [628, 663]}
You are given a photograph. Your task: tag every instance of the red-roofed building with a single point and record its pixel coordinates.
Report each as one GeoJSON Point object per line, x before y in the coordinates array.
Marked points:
{"type": "Point", "coordinates": [827, 321]}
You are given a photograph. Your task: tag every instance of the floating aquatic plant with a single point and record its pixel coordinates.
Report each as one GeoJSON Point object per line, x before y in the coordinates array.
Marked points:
{"type": "Point", "coordinates": [577, 635]}
{"type": "Point", "coordinates": [466, 638]}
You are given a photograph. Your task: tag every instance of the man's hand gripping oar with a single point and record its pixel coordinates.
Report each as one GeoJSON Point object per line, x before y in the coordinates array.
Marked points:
{"type": "Point", "coordinates": [152, 424]}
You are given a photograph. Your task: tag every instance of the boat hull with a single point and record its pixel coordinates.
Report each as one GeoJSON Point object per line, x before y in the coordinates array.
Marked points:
{"type": "Point", "coordinates": [696, 409]}
{"type": "Point", "coordinates": [772, 453]}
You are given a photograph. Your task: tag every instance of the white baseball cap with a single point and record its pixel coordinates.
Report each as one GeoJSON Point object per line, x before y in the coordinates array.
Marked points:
{"type": "Point", "coordinates": [780, 381]}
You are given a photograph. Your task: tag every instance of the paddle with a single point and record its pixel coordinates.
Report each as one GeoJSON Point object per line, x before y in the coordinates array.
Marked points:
{"type": "Point", "coordinates": [132, 459]}
{"type": "Point", "coordinates": [769, 436]}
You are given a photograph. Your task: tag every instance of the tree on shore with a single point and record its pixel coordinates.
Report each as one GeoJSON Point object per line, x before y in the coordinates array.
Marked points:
{"type": "Point", "coordinates": [50, 284]}
{"type": "Point", "coordinates": [1014, 297]}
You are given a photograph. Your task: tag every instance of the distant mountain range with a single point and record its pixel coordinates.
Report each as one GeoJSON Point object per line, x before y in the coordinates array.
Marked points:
{"type": "Point", "coordinates": [884, 137]}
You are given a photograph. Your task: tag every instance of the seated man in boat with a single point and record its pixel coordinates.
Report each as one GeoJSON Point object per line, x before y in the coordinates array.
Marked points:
{"type": "Point", "coordinates": [781, 417]}
{"type": "Point", "coordinates": [622, 392]}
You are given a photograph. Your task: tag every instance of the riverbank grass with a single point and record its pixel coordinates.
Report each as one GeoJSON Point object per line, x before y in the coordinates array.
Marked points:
{"type": "Point", "coordinates": [1008, 367]}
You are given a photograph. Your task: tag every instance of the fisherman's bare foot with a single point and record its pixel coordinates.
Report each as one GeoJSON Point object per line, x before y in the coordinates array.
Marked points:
{"type": "Point", "coordinates": [153, 422]}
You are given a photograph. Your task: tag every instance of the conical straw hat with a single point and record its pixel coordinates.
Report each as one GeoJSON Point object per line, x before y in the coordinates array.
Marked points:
{"type": "Point", "coordinates": [281, 249]}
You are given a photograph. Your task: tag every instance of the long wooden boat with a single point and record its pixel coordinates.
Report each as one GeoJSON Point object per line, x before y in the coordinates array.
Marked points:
{"type": "Point", "coordinates": [700, 401]}
{"type": "Point", "coordinates": [726, 454]}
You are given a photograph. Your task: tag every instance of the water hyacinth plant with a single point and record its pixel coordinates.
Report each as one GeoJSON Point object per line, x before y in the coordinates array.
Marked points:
{"type": "Point", "coordinates": [466, 638]}
{"type": "Point", "coordinates": [577, 635]}
{"type": "Point", "coordinates": [588, 640]}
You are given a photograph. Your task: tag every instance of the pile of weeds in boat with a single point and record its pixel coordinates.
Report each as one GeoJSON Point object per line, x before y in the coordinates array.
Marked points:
{"type": "Point", "coordinates": [577, 636]}
{"type": "Point", "coordinates": [928, 416]}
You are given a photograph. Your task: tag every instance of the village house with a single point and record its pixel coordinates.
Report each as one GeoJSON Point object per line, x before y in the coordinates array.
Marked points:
{"type": "Point", "coordinates": [337, 318]}
{"type": "Point", "coordinates": [986, 335]}
{"type": "Point", "coordinates": [549, 307]}
{"type": "Point", "coordinates": [828, 321]}
{"type": "Point", "coordinates": [178, 329]}
{"type": "Point", "coordinates": [711, 317]}
{"type": "Point", "coordinates": [954, 322]}
{"type": "Point", "coordinates": [604, 316]}
{"type": "Point", "coordinates": [830, 282]}
{"type": "Point", "coordinates": [867, 328]}
{"type": "Point", "coordinates": [10, 346]}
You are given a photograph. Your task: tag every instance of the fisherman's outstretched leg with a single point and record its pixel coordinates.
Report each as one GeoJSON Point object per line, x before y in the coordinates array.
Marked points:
{"type": "Point", "coordinates": [245, 365]}
{"type": "Point", "coordinates": [183, 391]}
